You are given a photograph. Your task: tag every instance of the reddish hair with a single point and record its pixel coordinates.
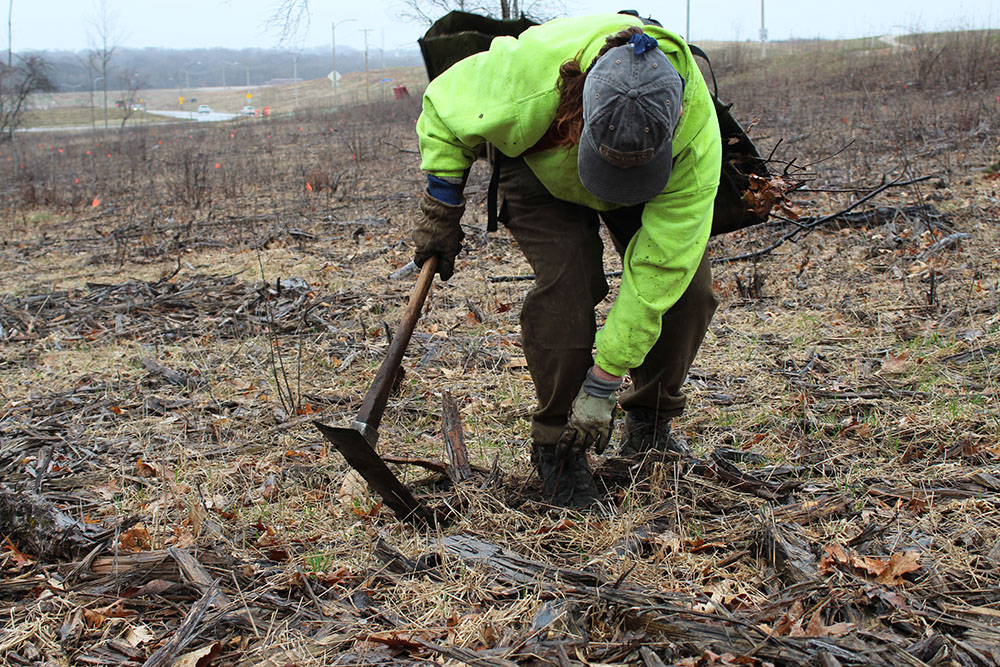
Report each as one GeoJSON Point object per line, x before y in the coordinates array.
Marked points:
{"type": "Point", "coordinates": [568, 124]}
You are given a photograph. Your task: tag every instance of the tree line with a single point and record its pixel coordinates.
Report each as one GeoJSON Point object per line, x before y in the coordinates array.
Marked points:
{"type": "Point", "coordinates": [198, 68]}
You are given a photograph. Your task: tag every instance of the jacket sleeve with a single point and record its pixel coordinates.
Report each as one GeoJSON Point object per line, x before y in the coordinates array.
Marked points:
{"type": "Point", "coordinates": [487, 97]}
{"type": "Point", "coordinates": [664, 254]}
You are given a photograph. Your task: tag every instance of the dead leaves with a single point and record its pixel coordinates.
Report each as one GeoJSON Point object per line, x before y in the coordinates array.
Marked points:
{"type": "Point", "coordinates": [765, 195]}
{"type": "Point", "coordinates": [563, 524]}
{"type": "Point", "coordinates": [20, 560]}
{"type": "Point", "coordinates": [143, 469]}
{"type": "Point", "coordinates": [888, 572]}
{"type": "Point", "coordinates": [709, 658]}
{"type": "Point", "coordinates": [202, 657]}
{"type": "Point", "coordinates": [96, 618]}
{"type": "Point", "coordinates": [668, 542]}
{"type": "Point", "coordinates": [793, 624]}
{"type": "Point", "coordinates": [135, 539]}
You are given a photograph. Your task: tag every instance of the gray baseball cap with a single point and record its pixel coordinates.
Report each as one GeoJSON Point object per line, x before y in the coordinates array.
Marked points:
{"type": "Point", "coordinates": [631, 105]}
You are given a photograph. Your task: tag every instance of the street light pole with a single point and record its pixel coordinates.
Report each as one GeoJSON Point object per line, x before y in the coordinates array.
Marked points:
{"type": "Point", "coordinates": [180, 92]}
{"type": "Point", "coordinates": [333, 41]}
{"type": "Point", "coordinates": [687, 28]}
{"type": "Point", "coordinates": [367, 95]}
{"type": "Point", "coordinates": [763, 32]}
{"type": "Point", "coordinates": [224, 63]}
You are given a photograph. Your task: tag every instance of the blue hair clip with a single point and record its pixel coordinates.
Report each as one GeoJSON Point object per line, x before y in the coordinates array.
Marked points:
{"type": "Point", "coordinates": [642, 43]}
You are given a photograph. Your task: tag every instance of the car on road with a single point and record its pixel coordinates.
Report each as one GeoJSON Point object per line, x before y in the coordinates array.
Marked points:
{"type": "Point", "coordinates": [204, 108]}
{"type": "Point", "coordinates": [248, 110]}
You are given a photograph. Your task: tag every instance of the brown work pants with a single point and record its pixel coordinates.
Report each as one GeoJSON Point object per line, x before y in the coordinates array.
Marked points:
{"type": "Point", "coordinates": [562, 243]}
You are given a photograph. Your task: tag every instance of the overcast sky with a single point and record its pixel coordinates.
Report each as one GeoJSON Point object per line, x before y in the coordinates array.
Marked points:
{"type": "Point", "coordinates": [64, 24]}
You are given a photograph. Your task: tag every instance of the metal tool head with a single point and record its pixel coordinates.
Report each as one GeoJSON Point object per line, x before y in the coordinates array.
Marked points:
{"type": "Point", "coordinates": [343, 438]}
{"type": "Point", "coordinates": [359, 453]}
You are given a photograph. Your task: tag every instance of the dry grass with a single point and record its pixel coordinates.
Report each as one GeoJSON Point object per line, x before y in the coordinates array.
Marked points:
{"type": "Point", "coordinates": [839, 371]}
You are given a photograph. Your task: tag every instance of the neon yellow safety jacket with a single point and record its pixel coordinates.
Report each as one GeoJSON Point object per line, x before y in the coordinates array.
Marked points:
{"type": "Point", "coordinates": [507, 96]}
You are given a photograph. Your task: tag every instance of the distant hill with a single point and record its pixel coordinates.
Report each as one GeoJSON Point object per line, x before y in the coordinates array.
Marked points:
{"type": "Point", "coordinates": [215, 67]}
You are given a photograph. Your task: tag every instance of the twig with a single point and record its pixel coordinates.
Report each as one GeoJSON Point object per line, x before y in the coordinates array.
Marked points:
{"type": "Point", "coordinates": [185, 633]}
{"type": "Point", "coordinates": [806, 228]}
{"type": "Point", "coordinates": [401, 150]}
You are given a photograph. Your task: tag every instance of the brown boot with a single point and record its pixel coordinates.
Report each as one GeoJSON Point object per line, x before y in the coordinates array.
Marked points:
{"type": "Point", "coordinates": [645, 432]}
{"type": "Point", "coordinates": [566, 481]}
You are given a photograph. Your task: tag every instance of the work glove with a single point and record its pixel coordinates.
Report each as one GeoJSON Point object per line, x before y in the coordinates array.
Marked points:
{"type": "Point", "coordinates": [591, 416]}
{"type": "Point", "coordinates": [438, 231]}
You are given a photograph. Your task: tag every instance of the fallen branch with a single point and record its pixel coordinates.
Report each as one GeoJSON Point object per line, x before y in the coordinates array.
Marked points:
{"type": "Point", "coordinates": [808, 225]}
{"type": "Point", "coordinates": [454, 439]}
{"type": "Point", "coordinates": [165, 655]}
{"type": "Point", "coordinates": [37, 526]}
{"type": "Point", "coordinates": [942, 244]}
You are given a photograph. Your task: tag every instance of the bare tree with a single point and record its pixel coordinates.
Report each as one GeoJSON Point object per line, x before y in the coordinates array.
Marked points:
{"type": "Point", "coordinates": [104, 33]}
{"type": "Point", "coordinates": [428, 11]}
{"type": "Point", "coordinates": [129, 84]}
{"type": "Point", "coordinates": [290, 17]}
{"type": "Point", "coordinates": [17, 83]}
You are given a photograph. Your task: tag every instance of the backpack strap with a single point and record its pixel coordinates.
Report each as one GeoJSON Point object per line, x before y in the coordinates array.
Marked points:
{"type": "Point", "coordinates": [699, 53]}
{"type": "Point", "coordinates": [493, 192]}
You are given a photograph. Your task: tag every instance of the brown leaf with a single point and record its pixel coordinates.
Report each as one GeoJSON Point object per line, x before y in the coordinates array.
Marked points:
{"type": "Point", "coordinates": [817, 629]}
{"type": "Point", "coordinates": [117, 610]}
{"type": "Point", "coordinates": [899, 564]}
{"type": "Point", "coordinates": [791, 623]}
{"type": "Point", "coordinates": [888, 572]}
{"type": "Point", "coordinates": [143, 469]}
{"type": "Point", "coordinates": [335, 577]}
{"type": "Point", "coordinates": [895, 364]}
{"type": "Point", "coordinates": [763, 195]}
{"type": "Point", "coordinates": [269, 491]}
{"type": "Point", "coordinates": [154, 587]}
{"type": "Point", "coordinates": [696, 545]}
{"type": "Point", "coordinates": [665, 543]}
{"type": "Point", "coordinates": [196, 515]}
{"type": "Point", "coordinates": [94, 619]}
{"type": "Point", "coordinates": [202, 657]}
{"type": "Point", "coordinates": [20, 559]}
{"type": "Point", "coordinates": [563, 524]}
{"type": "Point", "coordinates": [833, 555]}
{"type": "Point", "coordinates": [135, 539]}
{"type": "Point", "coordinates": [139, 635]}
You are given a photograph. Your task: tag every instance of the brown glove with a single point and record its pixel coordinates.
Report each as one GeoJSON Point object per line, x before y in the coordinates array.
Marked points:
{"type": "Point", "coordinates": [438, 232]}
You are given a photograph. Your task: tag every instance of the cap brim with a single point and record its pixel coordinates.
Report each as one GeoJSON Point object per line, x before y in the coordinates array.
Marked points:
{"type": "Point", "coordinates": [620, 185]}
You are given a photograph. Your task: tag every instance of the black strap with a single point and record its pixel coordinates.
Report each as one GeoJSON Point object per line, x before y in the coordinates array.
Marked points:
{"type": "Point", "coordinates": [697, 51]}
{"type": "Point", "coordinates": [493, 192]}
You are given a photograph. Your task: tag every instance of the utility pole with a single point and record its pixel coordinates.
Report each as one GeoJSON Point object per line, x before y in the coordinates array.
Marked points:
{"type": "Point", "coordinates": [687, 28]}
{"type": "Point", "coordinates": [367, 95]}
{"type": "Point", "coordinates": [763, 32]}
{"type": "Point", "coordinates": [295, 77]}
{"type": "Point", "coordinates": [10, 36]}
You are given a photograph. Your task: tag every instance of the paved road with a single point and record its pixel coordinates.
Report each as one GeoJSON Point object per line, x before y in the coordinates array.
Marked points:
{"type": "Point", "coordinates": [213, 117]}
{"type": "Point", "coordinates": [894, 42]}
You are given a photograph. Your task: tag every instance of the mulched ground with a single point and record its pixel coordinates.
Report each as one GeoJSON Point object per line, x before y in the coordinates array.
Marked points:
{"type": "Point", "coordinates": [179, 304]}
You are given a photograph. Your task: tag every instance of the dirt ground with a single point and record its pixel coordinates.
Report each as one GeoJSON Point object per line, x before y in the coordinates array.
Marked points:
{"type": "Point", "coordinates": [179, 303]}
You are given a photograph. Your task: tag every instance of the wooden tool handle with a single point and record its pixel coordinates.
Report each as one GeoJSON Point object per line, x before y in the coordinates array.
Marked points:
{"type": "Point", "coordinates": [374, 402]}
